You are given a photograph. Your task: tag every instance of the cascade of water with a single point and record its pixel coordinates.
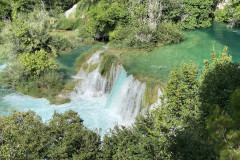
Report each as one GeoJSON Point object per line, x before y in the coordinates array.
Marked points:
{"type": "Point", "coordinates": [2, 67]}
{"type": "Point", "coordinates": [91, 84]}
{"type": "Point", "coordinates": [116, 88]}
{"type": "Point", "coordinates": [71, 10]}
{"type": "Point", "coordinates": [126, 93]}
{"type": "Point", "coordinates": [125, 99]}
{"type": "Point", "coordinates": [100, 100]}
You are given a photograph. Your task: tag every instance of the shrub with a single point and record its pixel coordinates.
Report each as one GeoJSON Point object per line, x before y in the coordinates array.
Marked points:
{"type": "Point", "coordinates": [120, 33]}
{"type": "Point", "coordinates": [1, 25]}
{"type": "Point", "coordinates": [1, 39]}
{"type": "Point", "coordinates": [52, 81]}
{"type": "Point", "coordinates": [167, 33]}
{"type": "Point", "coordinates": [38, 62]}
{"type": "Point", "coordinates": [65, 24]}
{"type": "Point", "coordinates": [83, 32]}
{"type": "Point", "coordinates": [221, 15]}
{"type": "Point", "coordinates": [59, 43]}
{"type": "Point", "coordinates": [12, 74]}
{"type": "Point", "coordinates": [28, 33]}
{"type": "Point", "coordinates": [78, 22]}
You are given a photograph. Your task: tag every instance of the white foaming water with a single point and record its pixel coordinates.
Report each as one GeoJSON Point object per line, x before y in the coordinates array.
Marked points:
{"type": "Point", "coordinates": [236, 31]}
{"type": "Point", "coordinates": [71, 10]}
{"type": "Point", "coordinates": [100, 102]}
{"type": "Point", "coordinates": [126, 98]}
{"type": "Point", "coordinates": [158, 102]}
{"type": "Point", "coordinates": [2, 67]}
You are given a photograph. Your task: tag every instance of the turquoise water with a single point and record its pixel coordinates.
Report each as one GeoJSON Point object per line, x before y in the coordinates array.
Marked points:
{"type": "Point", "coordinates": [197, 46]}
{"type": "Point", "coordinates": [67, 60]}
{"type": "Point", "coordinates": [158, 63]}
{"type": "Point", "coordinates": [119, 82]}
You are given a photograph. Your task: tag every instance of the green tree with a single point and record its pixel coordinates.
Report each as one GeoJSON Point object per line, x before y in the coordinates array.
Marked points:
{"type": "Point", "coordinates": [104, 17]}
{"type": "Point", "coordinates": [70, 139]}
{"type": "Point", "coordinates": [135, 142]}
{"type": "Point", "coordinates": [219, 80]}
{"type": "Point", "coordinates": [23, 135]}
{"type": "Point", "coordinates": [230, 13]}
{"type": "Point", "coordinates": [38, 62]}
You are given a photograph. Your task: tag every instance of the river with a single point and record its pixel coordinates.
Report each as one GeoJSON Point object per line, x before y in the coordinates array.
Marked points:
{"type": "Point", "coordinates": [100, 112]}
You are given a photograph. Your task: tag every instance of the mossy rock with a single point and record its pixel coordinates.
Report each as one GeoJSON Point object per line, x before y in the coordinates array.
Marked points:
{"type": "Point", "coordinates": [92, 67]}
{"type": "Point", "coordinates": [106, 63]}
{"type": "Point", "coordinates": [61, 100]}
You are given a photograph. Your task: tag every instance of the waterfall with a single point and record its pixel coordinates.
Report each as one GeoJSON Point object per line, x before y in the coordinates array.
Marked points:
{"type": "Point", "coordinates": [124, 94]}
{"type": "Point", "coordinates": [70, 11]}
{"type": "Point", "coordinates": [126, 98]}
{"type": "Point", "coordinates": [2, 67]}
{"type": "Point", "coordinates": [222, 3]}
{"type": "Point", "coordinates": [91, 84]}
{"type": "Point", "coordinates": [101, 101]}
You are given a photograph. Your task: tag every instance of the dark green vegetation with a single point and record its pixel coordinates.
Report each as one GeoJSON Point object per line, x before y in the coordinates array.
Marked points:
{"type": "Point", "coordinates": [64, 137]}
{"type": "Point", "coordinates": [198, 119]}
{"type": "Point", "coordinates": [142, 23]}
{"type": "Point", "coordinates": [230, 13]}
{"type": "Point", "coordinates": [124, 23]}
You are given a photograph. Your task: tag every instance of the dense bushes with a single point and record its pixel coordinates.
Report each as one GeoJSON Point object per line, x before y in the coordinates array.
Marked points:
{"type": "Point", "coordinates": [143, 37]}
{"type": "Point", "coordinates": [64, 137]}
{"type": "Point", "coordinates": [104, 17]}
{"type": "Point", "coordinates": [47, 84]}
{"type": "Point", "coordinates": [230, 13]}
{"type": "Point", "coordinates": [135, 23]}
{"type": "Point", "coordinates": [28, 34]}
{"type": "Point", "coordinates": [168, 33]}
{"type": "Point", "coordinates": [65, 24]}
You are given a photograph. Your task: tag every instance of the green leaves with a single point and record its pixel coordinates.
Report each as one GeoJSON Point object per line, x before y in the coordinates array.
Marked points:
{"type": "Point", "coordinates": [230, 13]}
{"type": "Point", "coordinates": [219, 80]}
{"type": "Point", "coordinates": [23, 135]}
{"type": "Point", "coordinates": [38, 62]}
{"type": "Point", "coordinates": [104, 17]}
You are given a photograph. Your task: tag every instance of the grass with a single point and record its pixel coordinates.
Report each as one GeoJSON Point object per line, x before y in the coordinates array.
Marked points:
{"type": "Point", "coordinates": [70, 35]}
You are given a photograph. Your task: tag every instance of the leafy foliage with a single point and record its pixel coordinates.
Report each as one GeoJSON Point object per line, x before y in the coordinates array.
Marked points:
{"type": "Point", "coordinates": [38, 62]}
{"type": "Point", "coordinates": [219, 80]}
{"type": "Point", "coordinates": [104, 17]}
{"type": "Point", "coordinates": [65, 24]}
{"type": "Point", "coordinates": [168, 33]}
{"type": "Point", "coordinates": [230, 13]}
{"type": "Point", "coordinates": [30, 138]}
